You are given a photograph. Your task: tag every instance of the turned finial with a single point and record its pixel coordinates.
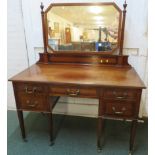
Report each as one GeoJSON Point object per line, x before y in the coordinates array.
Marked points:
{"type": "Point", "coordinates": [125, 5]}
{"type": "Point", "coordinates": [123, 27]}
{"type": "Point", "coordinates": [42, 7]}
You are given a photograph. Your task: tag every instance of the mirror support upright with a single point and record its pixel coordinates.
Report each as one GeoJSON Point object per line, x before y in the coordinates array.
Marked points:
{"type": "Point", "coordinates": [98, 58]}
{"type": "Point", "coordinates": [123, 28]}
{"type": "Point", "coordinates": [44, 34]}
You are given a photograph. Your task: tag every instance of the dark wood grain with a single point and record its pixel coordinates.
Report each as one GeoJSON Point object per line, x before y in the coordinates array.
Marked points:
{"type": "Point", "coordinates": [81, 75]}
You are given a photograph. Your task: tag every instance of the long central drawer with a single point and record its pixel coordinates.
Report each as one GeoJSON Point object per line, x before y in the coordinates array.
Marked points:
{"type": "Point", "coordinates": [73, 91]}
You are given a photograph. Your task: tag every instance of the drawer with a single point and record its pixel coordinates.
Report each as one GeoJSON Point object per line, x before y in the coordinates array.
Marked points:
{"type": "Point", "coordinates": [32, 102]}
{"type": "Point", "coordinates": [120, 94]}
{"type": "Point", "coordinates": [28, 88]}
{"type": "Point", "coordinates": [73, 91]}
{"type": "Point", "coordinates": [119, 108]}
{"type": "Point", "coordinates": [110, 61]}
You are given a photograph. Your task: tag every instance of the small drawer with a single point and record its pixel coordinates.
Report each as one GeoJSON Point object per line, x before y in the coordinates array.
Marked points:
{"type": "Point", "coordinates": [28, 88]}
{"type": "Point", "coordinates": [73, 91]}
{"type": "Point", "coordinates": [119, 108]}
{"type": "Point", "coordinates": [32, 102]}
{"type": "Point", "coordinates": [110, 61]}
{"type": "Point", "coordinates": [120, 94]}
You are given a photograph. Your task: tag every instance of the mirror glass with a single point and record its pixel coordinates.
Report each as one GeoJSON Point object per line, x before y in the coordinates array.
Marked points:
{"type": "Point", "coordinates": [88, 28]}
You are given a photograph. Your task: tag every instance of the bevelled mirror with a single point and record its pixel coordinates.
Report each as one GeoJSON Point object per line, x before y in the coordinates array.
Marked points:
{"type": "Point", "coordinates": [84, 27]}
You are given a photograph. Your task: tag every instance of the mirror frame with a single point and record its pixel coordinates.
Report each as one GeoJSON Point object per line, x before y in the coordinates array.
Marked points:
{"type": "Point", "coordinates": [45, 29]}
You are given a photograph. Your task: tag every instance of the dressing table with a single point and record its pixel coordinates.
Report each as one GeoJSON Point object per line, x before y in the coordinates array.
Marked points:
{"type": "Point", "coordinates": [99, 70]}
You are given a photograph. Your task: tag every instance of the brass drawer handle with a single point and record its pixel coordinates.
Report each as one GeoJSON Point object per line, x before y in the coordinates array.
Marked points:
{"type": "Point", "coordinates": [32, 105]}
{"type": "Point", "coordinates": [120, 97]}
{"type": "Point", "coordinates": [107, 61]}
{"type": "Point", "coordinates": [118, 112]}
{"type": "Point", "coordinates": [30, 91]}
{"type": "Point", "coordinates": [72, 92]}
{"type": "Point", "coordinates": [104, 61]}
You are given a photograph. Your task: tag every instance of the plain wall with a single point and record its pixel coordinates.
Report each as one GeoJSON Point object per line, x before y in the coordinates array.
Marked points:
{"type": "Point", "coordinates": [17, 59]}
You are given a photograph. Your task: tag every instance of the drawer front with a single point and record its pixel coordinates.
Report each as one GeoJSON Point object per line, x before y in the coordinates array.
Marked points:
{"type": "Point", "coordinates": [120, 94]}
{"type": "Point", "coordinates": [31, 88]}
{"type": "Point", "coordinates": [119, 108]}
{"type": "Point", "coordinates": [110, 61]}
{"type": "Point", "coordinates": [73, 91]}
{"type": "Point", "coordinates": [32, 102]}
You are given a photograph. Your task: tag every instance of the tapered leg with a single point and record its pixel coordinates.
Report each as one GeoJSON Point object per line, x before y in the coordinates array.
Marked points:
{"type": "Point", "coordinates": [132, 136]}
{"type": "Point", "coordinates": [51, 129]}
{"type": "Point", "coordinates": [21, 123]}
{"type": "Point", "coordinates": [99, 133]}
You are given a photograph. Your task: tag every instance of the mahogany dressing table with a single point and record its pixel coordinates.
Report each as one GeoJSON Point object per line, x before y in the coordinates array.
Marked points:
{"type": "Point", "coordinates": [103, 75]}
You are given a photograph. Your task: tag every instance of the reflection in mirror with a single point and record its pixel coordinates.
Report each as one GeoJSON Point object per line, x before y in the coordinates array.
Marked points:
{"type": "Point", "coordinates": [83, 28]}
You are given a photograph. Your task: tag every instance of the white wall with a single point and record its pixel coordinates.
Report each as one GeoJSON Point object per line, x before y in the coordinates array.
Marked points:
{"type": "Point", "coordinates": [17, 52]}
{"type": "Point", "coordinates": [135, 35]}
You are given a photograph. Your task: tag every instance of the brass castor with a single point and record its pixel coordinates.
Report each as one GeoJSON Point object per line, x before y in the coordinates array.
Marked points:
{"type": "Point", "coordinates": [99, 149]}
{"type": "Point", "coordinates": [130, 152]}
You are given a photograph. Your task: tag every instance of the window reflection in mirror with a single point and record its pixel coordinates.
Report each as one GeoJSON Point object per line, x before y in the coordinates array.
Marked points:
{"type": "Point", "coordinates": [83, 28]}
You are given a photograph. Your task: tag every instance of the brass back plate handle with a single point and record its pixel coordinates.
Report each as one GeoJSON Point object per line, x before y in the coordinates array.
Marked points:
{"type": "Point", "coordinates": [32, 105]}
{"type": "Point", "coordinates": [118, 112]}
{"type": "Point", "coordinates": [120, 97]}
{"type": "Point", "coordinates": [28, 91]}
{"type": "Point", "coordinates": [73, 92]}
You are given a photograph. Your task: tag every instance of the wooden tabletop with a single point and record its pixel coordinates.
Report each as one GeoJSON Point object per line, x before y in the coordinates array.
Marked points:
{"type": "Point", "coordinates": [81, 75]}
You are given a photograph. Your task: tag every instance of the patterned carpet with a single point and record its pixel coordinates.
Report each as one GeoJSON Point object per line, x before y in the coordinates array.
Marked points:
{"type": "Point", "coordinates": [74, 136]}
